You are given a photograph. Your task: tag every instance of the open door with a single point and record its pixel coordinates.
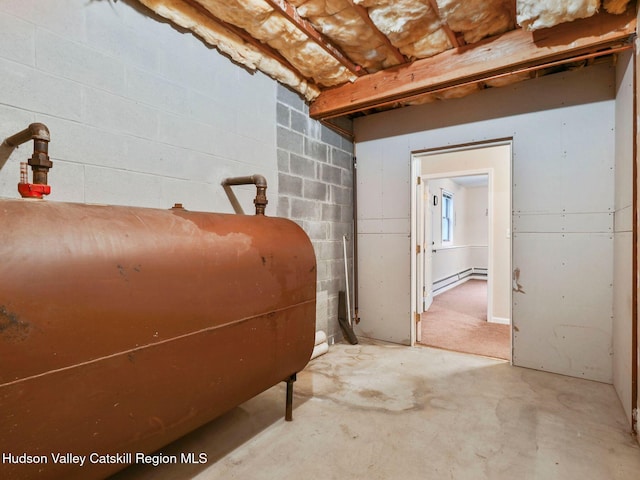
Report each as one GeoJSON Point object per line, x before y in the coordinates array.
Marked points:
{"type": "Point", "coordinates": [419, 259]}
{"type": "Point", "coordinates": [427, 248]}
{"type": "Point", "coordinates": [424, 246]}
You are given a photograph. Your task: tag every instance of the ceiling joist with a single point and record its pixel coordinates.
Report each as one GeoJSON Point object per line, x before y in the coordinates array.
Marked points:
{"type": "Point", "coordinates": [383, 38]}
{"type": "Point", "coordinates": [453, 38]}
{"type": "Point", "coordinates": [512, 51]}
{"type": "Point", "coordinates": [291, 14]}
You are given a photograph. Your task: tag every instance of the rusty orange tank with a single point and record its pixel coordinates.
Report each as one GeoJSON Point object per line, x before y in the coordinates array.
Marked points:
{"type": "Point", "coordinates": [123, 328]}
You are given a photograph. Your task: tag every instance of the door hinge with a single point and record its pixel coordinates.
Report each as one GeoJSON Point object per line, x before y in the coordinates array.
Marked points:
{"type": "Point", "coordinates": [419, 180]}
{"type": "Point", "coordinates": [417, 317]}
{"type": "Point", "coordinates": [418, 249]}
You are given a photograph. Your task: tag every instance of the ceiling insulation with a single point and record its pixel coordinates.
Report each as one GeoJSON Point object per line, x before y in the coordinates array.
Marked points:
{"type": "Point", "coordinates": [477, 19]}
{"type": "Point", "coordinates": [316, 46]}
{"type": "Point", "coordinates": [413, 26]}
{"type": "Point", "coordinates": [338, 20]}
{"type": "Point", "coordinates": [536, 14]}
{"type": "Point", "coordinates": [616, 7]}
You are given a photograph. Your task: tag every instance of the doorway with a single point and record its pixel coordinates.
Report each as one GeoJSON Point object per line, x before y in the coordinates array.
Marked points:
{"type": "Point", "coordinates": [455, 293]}
{"type": "Point", "coordinates": [461, 218]}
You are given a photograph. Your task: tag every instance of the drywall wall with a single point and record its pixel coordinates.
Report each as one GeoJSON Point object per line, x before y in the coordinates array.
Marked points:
{"type": "Point", "coordinates": [436, 187]}
{"type": "Point", "coordinates": [623, 233]}
{"type": "Point", "coordinates": [477, 215]}
{"type": "Point", "coordinates": [562, 128]}
{"type": "Point", "coordinates": [384, 241]}
{"type": "Point", "coordinates": [471, 225]}
{"type": "Point", "coordinates": [470, 229]}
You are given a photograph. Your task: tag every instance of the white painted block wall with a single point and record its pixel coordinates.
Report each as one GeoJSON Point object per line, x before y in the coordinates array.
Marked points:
{"type": "Point", "coordinates": [139, 113]}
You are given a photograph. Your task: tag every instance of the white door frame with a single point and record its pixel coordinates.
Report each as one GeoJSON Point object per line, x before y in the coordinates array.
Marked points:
{"type": "Point", "coordinates": [416, 171]}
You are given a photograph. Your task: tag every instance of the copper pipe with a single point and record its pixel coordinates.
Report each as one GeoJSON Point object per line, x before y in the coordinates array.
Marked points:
{"type": "Point", "coordinates": [261, 189]}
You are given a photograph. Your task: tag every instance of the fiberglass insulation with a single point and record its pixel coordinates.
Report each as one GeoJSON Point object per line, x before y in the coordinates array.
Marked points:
{"type": "Point", "coordinates": [411, 25]}
{"type": "Point", "coordinates": [339, 21]}
{"type": "Point", "coordinates": [536, 14]}
{"type": "Point", "coordinates": [615, 6]}
{"type": "Point", "coordinates": [477, 19]}
{"type": "Point", "coordinates": [417, 28]}
{"type": "Point", "coordinates": [262, 22]}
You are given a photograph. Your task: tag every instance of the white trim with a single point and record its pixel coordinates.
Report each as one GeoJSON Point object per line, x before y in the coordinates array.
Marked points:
{"type": "Point", "coordinates": [450, 247]}
{"type": "Point", "coordinates": [503, 321]}
{"type": "Point", "coordinates": [459, 282]}
{"type": "Point", "coordinates": [416, 167]}
{"type": "Point", "coordinates": [447, 243]}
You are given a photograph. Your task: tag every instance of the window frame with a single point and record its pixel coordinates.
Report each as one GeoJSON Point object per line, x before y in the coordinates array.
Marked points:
{"type": "Point", "coordinates": [446, 215]}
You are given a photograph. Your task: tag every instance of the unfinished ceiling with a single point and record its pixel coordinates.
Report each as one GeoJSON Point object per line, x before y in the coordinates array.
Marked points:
{"type": "Point", "coordinates": [351, 56]}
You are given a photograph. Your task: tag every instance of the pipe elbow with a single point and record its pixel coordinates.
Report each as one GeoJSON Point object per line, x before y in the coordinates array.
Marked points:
{"type": "Point", "coordinates": [261, 186]}
{"type": "Point", "coordinates": [35, 131]}
{"type": "Point", "coordinates": [256, 179]}
{"type": "Point", "coordinates": [259, 180]}
{"type": "Point", "coordinates": [39, 131]}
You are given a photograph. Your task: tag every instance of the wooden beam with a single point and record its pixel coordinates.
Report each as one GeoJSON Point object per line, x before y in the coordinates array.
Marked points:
{"type": "Point", "coordinates": [364, 14]}
{"type": "Point", "coordinates": [291, 14]}
{"type": "Point", "coordinates": [510, 51]}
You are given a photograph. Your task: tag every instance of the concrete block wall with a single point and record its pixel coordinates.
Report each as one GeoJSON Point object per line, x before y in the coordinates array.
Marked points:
{"type": "Point", "coordinates": [315, 176]}
{"type": "Point", "coordinates": [139, 112]}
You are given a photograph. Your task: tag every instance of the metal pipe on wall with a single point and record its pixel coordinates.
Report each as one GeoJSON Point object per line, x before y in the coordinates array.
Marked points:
{"type": "Point", "coordinates": [40, 162]}
{"type": "Point", "coordinates": [35, 131]}
{"type": "Point", "coordinates": [261, 190]}
{"type": "Point", "coordinates": [355, 240]}
{"type": "Point", "coordinates": [346, 281]}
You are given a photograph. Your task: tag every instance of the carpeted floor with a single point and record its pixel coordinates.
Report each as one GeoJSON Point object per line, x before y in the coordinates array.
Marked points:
{"type": "Point", "coordinates": [457, 320]}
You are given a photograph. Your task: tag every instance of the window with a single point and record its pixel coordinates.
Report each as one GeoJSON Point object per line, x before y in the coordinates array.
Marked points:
{"type": "Point", "coordinates": [447, 217]}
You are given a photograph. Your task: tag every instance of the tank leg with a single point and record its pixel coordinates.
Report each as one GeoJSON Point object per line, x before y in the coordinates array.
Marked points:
{"type": "Point", "coordinates": [288, 416]}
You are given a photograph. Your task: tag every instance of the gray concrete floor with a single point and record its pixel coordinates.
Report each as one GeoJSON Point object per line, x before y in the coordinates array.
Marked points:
{"type": "Point", "coordinates": [377, 411]}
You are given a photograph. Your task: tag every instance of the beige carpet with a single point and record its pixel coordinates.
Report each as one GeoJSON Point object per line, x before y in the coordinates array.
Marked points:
{"type": "Point", "coordinates": [457, 320]}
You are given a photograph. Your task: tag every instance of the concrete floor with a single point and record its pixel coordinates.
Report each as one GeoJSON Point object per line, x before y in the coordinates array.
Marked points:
{"type": "Point", "coordinates": [378, 411]}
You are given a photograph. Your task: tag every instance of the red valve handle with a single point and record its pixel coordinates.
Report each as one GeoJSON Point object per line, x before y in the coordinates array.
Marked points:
{"type": "Point", "coordinates": [33, 190]}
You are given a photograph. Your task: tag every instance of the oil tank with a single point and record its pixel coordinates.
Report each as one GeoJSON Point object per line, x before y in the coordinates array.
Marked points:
{"type": "Point", "coordinates": [124, 328]}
